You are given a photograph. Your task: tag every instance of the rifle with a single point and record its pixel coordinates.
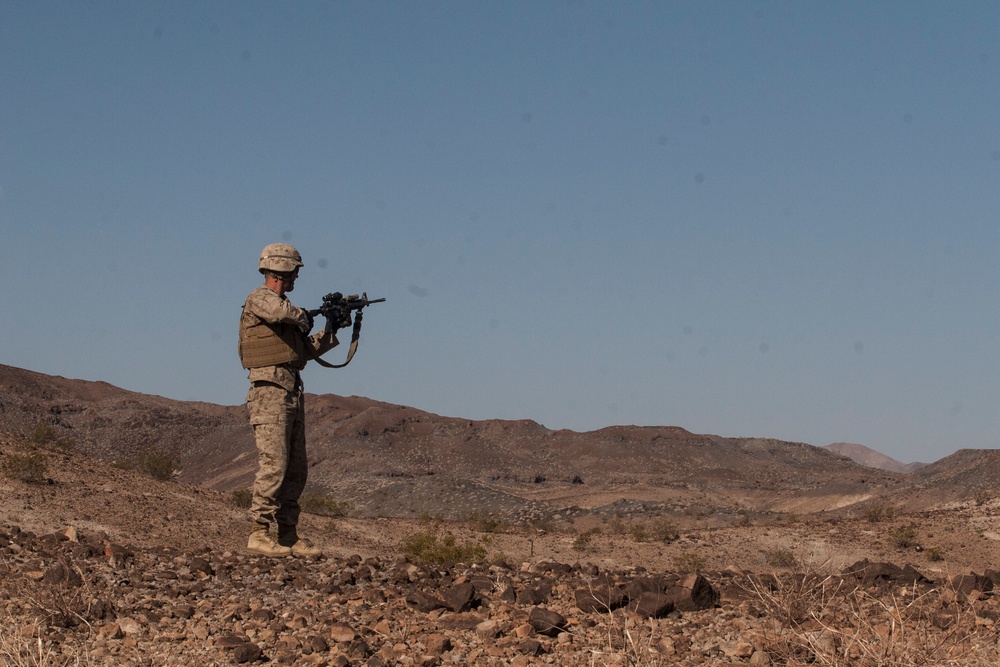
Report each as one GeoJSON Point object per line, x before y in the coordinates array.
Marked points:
{"type": "Point", "coordinates": [337, 310]}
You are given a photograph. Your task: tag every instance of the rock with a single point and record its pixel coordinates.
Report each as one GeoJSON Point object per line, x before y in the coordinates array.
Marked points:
{"type": "Point", "coordinates": [534, 595]}
{"type": "Point", "coordinates": [342, 633]}
{"type": "Point", "coordinates": [968, 586]}
{"type": "Point", "coordinates": [423, 602]}
{"type": "Point", "coordinates": [652, 605]}
{"type": "Point", "coordinates": [870, 572]}
{"type": "Point", "coordinates": [600, 599]}
{"type": "Point", "coordinates": [436, 644]}
{"type": "Point", "coordinates": [529, 647]}
{"type": "Point", "coordinates": [488, 629]}
{"type": "Point", "coordinates": [201, 566]}
{"type": "Point", "coordinates": [694, 593]}
{"type": "Point", "coordinates": [230, 640]}
{"type": "Point", "coordinates": [546, 621]}
{"type": "Point", "coordinates": [460, 597]}
{"type": "Point", "coordinates": [246, 652]}
{"type": "Point", "coordinates": [62, 575]}
{"type": "Point", "coordinates": [317, 644]}
{"type": "Point", "coordinates": [129, 625]}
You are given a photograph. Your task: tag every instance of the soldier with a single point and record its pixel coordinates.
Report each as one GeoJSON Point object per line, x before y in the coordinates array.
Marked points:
{"type": "Point", "coordinates": [275, 345]}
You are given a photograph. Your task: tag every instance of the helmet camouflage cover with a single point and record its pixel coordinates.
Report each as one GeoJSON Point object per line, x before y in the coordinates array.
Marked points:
{"type": "Point", "coordinates": [280, 258]}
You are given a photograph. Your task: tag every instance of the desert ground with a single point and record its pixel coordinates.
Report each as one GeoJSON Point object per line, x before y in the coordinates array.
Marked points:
{"type": "Point", "coordinates": [106, 559]}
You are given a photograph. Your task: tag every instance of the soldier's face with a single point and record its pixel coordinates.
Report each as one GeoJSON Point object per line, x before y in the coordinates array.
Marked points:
{"type": "Point", "coordinates": [288, 281]}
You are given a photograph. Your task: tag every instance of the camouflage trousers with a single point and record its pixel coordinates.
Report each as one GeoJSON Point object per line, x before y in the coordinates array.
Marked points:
{"type": "Point", "coordinates": [278, 420]}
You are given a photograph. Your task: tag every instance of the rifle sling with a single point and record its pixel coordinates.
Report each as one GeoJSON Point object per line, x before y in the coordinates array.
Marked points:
{"type": "Point", "coordinates": [355, 335]}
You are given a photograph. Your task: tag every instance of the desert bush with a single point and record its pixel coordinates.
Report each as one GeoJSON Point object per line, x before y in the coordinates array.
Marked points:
{"type": "Point", "coordinates": [982, 497]}
{"type": "Point", "coordinates": [617, 526]}
{"type": "Point", "coordinates": [486, 522]}
{"type": "Point", "coordinates": [935, 555]}
{"type": "Point", "coordinates": [663, 530]}
{"type": "Point", "coordinates": [427, 547]}
{"type": "Point", "coordinates": [688, 561]}
{"type": "Point", "coordinates": [28, 466]}
{"type": "Point", "coordinates": [582, 541]}
{"type": "Point", "coordinates": [323, 504]}
{"type": "Point", "coordinates": [157, 464]}
{"type": "Point", "coordinates": [241, 498]}
{"type": "Point", "coordinates": [780, 558]}
{"type": "Point", "coordinates": [43, 435]}
{"type": "Point", "coordinates": [638, 532]}
{"type": "Point", "coordinates": [878, 511]}
{"type": "Point", "coordinates": [902, 537]}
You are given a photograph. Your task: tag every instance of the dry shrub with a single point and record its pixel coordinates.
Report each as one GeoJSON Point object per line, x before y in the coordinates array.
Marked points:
{"type": "Point", "coordinates": [688, 561]}
{"type": "Point", "coordinates": [631, 642]}
{"type": "Point", "coordinates": [241, 498]}
{"type": "Point", "coordinates": [486, 522]}
{"type": "Point", "coordinates": [429, 548]}
{"type": "Point", "coordinates": [322, 504]}
{"type": "Point", "coordinates": [829, 620]}
{"type": "Point", "coordinates": [27, 466]}
{"type": "Point", "coordinates": [780, 558]}
{"type": "Point", "coordinates": [903, 537]}
{"type": "Point", "coordinates": [29, 648]}
{"type": "Point", "coordinates": [43, 435]}
{"type": "Point", "coordinates": [158, 464]}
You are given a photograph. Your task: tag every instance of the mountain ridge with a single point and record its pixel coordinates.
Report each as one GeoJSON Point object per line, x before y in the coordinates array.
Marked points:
{"type": "Point", "coordinates": [392, 460]}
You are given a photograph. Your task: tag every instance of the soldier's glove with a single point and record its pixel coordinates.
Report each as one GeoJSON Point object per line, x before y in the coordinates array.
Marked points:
{"type": "Point", "coordinates": [309, 321]}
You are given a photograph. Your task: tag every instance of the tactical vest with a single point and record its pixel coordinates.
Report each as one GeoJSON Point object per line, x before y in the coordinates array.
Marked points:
{"type": "Point", "coordinates": [265, 344]}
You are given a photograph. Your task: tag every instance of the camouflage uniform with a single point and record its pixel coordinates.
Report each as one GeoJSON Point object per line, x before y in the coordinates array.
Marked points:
{"type": "Point", "coordinates": [277, 413]}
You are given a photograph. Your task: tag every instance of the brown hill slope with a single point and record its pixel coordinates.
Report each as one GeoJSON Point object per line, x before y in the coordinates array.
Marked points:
{"type": "Point", "coordinates": [390, 460]}
{"type": "Point", "coordinates": [870, 458]}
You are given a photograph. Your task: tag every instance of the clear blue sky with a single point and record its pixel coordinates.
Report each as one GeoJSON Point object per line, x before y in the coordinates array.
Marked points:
{"type": "Point", "coordinates": [774, 219]}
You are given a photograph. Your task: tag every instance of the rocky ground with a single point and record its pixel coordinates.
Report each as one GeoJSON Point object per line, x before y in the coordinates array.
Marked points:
{"type": "Point", "coordinates": [105, 566]}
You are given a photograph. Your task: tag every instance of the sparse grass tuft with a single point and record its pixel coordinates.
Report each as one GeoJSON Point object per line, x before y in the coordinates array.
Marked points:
{"type": "Point", "coordinates": [582, 541]}
{"type": "Point", "coordinates": [157, 464]}
{"type": "Point", "coordinates": [323, 504]}
{"type": "Point", "coordinates": [780, 558]}
{"type": "Point", "coordinates": [486, 522]}
{"type": "Point", "coordinates": [688, 561]}
{"type": "Point", "coordinates": [877, 512]}
{"type": "Point", "coordinates": [663, 530]}
{"type": "Point", "coordinates": [241, 498]}
{"type": "Point", "coordinates": [830, 621]}
{"type": "Point", "coordinates": [43, 435]}
{"type": "Point", "coordinates": [902, 537]}
{"type": "Point", "coordinates": [29, 466]}
{"type": "Point", "coordinates": [427, 547]}
{"type": "Point", "coordinates": [18, 650]}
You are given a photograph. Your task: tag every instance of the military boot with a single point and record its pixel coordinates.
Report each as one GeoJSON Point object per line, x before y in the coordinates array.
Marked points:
{"type": "Point", "coordinates": [289, 538]}
{"type": "Point", "coordinates": [262, 543]}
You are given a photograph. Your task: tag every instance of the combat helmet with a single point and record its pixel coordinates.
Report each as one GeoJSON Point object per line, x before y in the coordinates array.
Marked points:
{"type": "Point", "coordinates": [279, 258]}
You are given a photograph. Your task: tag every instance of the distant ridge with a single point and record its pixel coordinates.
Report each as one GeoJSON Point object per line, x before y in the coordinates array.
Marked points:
{"type": "Point", "coordinates": [869, 458]}
{"type": "Point", "coordinates": [385, 460]}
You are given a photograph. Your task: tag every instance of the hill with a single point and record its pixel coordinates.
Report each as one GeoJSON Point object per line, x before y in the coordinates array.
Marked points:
{"type": "Point", "coordinates": [872, 459]}
{"type": "Point", "coordinates": [391, 460]}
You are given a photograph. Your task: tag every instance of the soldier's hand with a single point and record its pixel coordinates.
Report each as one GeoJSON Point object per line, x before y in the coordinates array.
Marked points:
{"type": "Point", "coordinates": [309, 321]}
